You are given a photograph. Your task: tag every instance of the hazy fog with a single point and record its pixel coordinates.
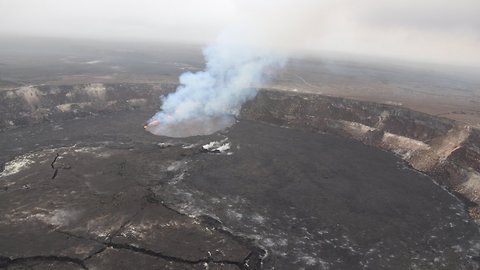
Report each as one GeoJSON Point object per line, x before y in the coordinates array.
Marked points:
{"type": "Point", "coordinates": [440, 31]}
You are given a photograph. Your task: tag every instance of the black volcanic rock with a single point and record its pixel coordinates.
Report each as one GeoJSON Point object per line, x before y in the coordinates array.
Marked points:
{"type": "Point", "coordinates": [285, 197]}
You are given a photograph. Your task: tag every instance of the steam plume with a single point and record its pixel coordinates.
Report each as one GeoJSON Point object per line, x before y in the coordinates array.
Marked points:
{"type": "Point", "coordinates": [209, 100]}
{"type": "Point", "coordinates": [241, 59]}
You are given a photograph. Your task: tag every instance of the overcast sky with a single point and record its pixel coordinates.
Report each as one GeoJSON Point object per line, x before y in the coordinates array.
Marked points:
{"type": "Point", "coordinates": [443, 31]}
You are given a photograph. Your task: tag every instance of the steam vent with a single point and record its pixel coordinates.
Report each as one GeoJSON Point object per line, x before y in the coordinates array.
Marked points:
{"type": "Point", "coordinates": [301, 181]}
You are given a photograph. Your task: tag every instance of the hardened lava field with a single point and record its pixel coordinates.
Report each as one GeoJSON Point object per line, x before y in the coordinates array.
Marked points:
{"type": "Point", "coordinates": [80, 195]}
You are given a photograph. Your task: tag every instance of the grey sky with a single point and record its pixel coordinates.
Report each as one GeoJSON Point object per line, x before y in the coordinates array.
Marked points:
{"type": "Point", "coordinates": [442, 31]}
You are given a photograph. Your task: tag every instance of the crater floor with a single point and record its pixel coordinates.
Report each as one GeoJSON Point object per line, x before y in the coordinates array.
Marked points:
{"type": "Point", "coordinates": [101, 193]}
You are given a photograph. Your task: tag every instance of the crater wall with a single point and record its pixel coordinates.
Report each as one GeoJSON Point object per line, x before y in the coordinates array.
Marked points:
{"type": "Point", "coordinates": [445, 149]}
{"type": "Point", "coordinates": [35, 104]}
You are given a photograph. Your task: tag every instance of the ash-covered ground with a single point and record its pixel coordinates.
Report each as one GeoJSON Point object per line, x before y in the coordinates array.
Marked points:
{"type": "Point", "coordinates": [101, 193]}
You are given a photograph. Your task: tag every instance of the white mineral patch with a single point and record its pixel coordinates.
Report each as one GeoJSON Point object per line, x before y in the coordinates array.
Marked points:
{"type": "Point", "coordinates": [224, 147]}
{"type": "Point", "coordinates": [18, 164]}
{"type": "Point", "coordinates": [220, 146]}
{"type": "Point", "coordinates": [189, 146]}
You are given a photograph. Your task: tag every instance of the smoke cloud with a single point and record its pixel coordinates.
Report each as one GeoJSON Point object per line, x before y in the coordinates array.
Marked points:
{"type": "Point", "coordinates": [244, 56]}
{"type": "Point", "coordinates": [208, 101]}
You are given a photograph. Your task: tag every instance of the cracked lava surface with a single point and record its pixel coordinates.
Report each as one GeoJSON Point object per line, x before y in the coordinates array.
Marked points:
{"type": "Point", "coordinates": [100, 193]}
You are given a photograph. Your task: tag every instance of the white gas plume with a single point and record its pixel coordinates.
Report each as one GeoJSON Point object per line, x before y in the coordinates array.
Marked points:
{"type": "Point", "coordinates": [209, 100]}
{"type": "Point", "coordinates": [244, 56]}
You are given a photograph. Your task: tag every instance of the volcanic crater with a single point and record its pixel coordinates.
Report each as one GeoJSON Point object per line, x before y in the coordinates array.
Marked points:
{"type": "Point", "coordinates": [301, 181]}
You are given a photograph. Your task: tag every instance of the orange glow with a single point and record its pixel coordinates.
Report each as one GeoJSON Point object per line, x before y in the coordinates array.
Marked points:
{"type": "Point", "coordinates": [151, 124]}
